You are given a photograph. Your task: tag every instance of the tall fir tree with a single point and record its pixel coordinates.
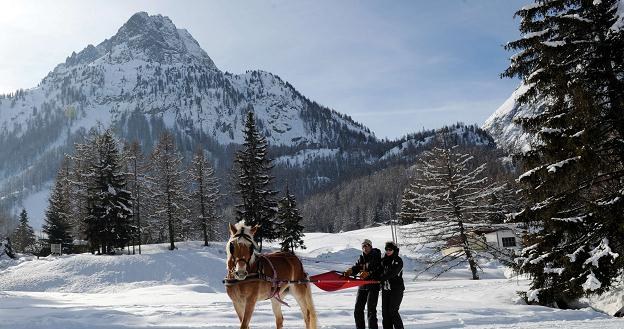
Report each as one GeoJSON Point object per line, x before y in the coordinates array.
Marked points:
{"type": "Point", "coordinates": [23, 237]}
{"type": "Point", "coordinates": [56, 223]}
{"type": "Point", "coordinates": [450, 193]}
{"type": "Point", "coordinates": [289, 223]}
{"type": "Point", "coordinates": [170, 199]}
{"type": "Point", "coordinates": [571, 59]}
{"type": "Point", "coordinates": [110, 204]}
{"type": "Point", "coordinates": [254, 178]}
{"type": "Point", "coordinates": [204, 195]}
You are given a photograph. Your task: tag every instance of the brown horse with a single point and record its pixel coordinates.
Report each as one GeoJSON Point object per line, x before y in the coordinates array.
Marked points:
{"type": "Point", "coordinates": [253, 277]}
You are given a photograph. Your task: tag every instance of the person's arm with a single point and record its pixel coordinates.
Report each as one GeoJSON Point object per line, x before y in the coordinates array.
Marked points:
{"type": "Point", "coordinates": [355, 269]}
{"type": "Point", "coordinates": [395, 269]}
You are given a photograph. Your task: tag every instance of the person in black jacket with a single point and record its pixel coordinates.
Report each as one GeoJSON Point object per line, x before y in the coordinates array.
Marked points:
{"type": "Point", "coordinates": [392, 287]}
{"type": "Point", "coordinates": [369, 268]}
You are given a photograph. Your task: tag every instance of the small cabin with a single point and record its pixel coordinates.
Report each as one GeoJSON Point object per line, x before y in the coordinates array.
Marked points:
{"type": "Point", "coordinates": [482, 238]}
{"type": "Point", "coordinates": [502, 238]}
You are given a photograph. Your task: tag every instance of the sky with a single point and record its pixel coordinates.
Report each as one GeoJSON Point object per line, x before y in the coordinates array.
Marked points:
{"type": "Point", "coordinates": [395, 66]}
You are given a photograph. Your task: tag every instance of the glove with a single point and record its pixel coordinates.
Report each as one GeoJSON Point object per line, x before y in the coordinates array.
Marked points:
{"type": "Point", "coordinates": [364, 275]}
{"type": "Point", "coordinates": [348, 272]}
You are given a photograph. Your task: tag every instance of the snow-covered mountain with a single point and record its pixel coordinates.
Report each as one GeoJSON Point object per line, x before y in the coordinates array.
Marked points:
{"type": "Point", "coordinates": [458, 133]}
{"type": "Point", "coordinates": [151, 76]}
{"type": "Point", "coordinates": [152, 67]}
{"type": "Point", "coordinates": [148, 77]}
{"type": "Point", "coordinates": [504, 128]}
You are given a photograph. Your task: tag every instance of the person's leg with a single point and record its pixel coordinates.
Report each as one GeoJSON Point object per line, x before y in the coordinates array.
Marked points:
{"type": "Point", "coordinates": [358, 311]}
{"type": "Point", "coordinates": [371, 307]}
{"type": "Point", "coordinates": [386, 309]}
{"type": "Point", "coordinates": [396, 305]}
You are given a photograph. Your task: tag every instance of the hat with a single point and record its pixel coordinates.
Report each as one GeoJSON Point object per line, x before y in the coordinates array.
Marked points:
{"type": "Point", "coordinates": [368, 242]}
{"type": "Point", "coordinates": [392, 245]}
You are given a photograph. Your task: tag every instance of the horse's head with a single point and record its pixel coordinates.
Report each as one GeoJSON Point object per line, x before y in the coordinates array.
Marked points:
{"type": "Point", "coordinates": [241, 249]}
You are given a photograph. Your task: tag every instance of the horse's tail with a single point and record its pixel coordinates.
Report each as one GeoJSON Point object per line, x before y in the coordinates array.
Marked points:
{"type": "Point", "coordinates": [311, 308]}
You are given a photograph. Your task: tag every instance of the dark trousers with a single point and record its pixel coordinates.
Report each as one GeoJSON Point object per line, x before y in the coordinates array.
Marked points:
{"type": "Point", "coordinates": [368, 297]}
{"type": "Point", "coordinates": [390, 304]}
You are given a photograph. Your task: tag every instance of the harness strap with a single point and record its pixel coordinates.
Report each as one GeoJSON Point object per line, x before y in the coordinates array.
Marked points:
{"type": "Point", "coordinates": [275, 282]}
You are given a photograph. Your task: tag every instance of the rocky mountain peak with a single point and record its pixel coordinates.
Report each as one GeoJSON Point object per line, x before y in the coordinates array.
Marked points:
{"type": "Point", "coordinates": [150, 38]}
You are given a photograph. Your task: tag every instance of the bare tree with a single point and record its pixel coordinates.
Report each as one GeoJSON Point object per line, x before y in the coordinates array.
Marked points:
{"type": "Point", "coordinates": [204, 194]}
{"type": "Point", "coordinates": [170, 198]}
{"type": "Point", "coordinates": [448, 194]}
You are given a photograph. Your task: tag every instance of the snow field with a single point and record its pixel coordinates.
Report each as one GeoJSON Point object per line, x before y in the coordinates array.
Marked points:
{"type": "Point", "coordinates": [183, 289]}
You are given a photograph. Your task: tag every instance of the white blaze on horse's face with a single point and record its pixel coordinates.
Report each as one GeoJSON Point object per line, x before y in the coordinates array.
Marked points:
{"type": "Point", "coordinates": [241, 250]}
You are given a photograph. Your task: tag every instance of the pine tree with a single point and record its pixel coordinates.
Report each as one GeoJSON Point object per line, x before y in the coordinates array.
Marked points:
{"type": "Point", "coordinates": [23, 237]}
{"type": "Point", "coordinates": [254, 180]}
{"type": "Point", "coordinates": [205, 194]}
{"type": "Point", "coordinates": [450, 195]}
{"type": "Point", "coordinates": [56, 223]}
{"type": "Point", "coordinates": [110, 204]}
{"type": "Point", "coordinates": [170, 199]}
{"type": "Point", "coordinates": [289, 222]}
{"type": "Point", "coordinates": [570, 59]}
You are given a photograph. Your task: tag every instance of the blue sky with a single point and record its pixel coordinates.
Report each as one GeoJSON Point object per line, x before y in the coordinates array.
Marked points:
{"type": "Point", "coordinates": [395, 66]}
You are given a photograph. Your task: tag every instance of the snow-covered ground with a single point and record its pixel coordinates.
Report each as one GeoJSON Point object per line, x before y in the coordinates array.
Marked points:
{"type": "Point", "coordinates": [182, 289]}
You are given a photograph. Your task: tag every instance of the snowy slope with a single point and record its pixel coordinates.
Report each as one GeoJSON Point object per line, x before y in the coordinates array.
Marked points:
{"type": "Point", "coordinates": [182, 289]}
{"type": "Point", "coordinates": [507, 133]}
{"type": "Point", "coordinates": [153, 67]}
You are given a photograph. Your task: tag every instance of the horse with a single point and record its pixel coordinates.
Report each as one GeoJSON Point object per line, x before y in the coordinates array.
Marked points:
{"type": "Point", "coordinates": [252, 277]}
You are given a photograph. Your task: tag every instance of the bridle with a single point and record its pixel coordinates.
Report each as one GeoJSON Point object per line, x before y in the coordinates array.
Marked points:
{"type": "Point", "coordinates": [248, 261]}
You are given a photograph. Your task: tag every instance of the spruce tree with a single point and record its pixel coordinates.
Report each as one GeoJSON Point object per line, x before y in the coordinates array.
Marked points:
{"type": "Point", "coordinates": [570, 57]}
{"type": "Point", "coordinates": [289, 223]}
{"type": "Point", "coordinates": [205, 194]}
{"type": "Point", "coordinates": [23, 237]}
{"type": "Point", "coordinates": [450, 193]}
{"type": "Point", "coordinates": [254, 183]}
{"type": "Point", "coordinates": [169, 199]}
{"type": "Point", "coordinates": [110, 204]}
{"type": "Point", "coordinates": [56, 223]}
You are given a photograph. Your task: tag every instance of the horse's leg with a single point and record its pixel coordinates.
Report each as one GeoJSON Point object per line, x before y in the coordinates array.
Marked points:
{"type": "Point", "coordinates": [239, 306]}
{"type": "Point", "coordinates": [303, 295]}
{"type": "Point", "coordinates": [248, 311]}
{"type": "Point", "coordinates": [277, 311]}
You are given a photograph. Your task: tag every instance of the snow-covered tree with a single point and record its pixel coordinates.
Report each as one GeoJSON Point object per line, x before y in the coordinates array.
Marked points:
{"type": "Point", "coordinates": [571, 59]}
{"type": "Point", "coordinates": [254, 178]}
{"type": "Point", "coordinates": [56, 223]}
{"type": "Point", "coordinates": [289, 222]}
{"type": "Point", "coordinates": [110, 204]}
{"type": "Point", "coordinates": [170, 199]}
{"type": "Point", "coordinates": [23, 237]}
{"type": "Point", "coordinates": [205, 193]}
{"type": "Point", "coordinates": [448, 193]}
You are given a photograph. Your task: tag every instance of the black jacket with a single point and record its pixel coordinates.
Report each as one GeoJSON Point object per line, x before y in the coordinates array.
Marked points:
{"type": "Point", "coordinates": [392, 272]}
{"type": "Point", "coordinates": [370, 263]}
